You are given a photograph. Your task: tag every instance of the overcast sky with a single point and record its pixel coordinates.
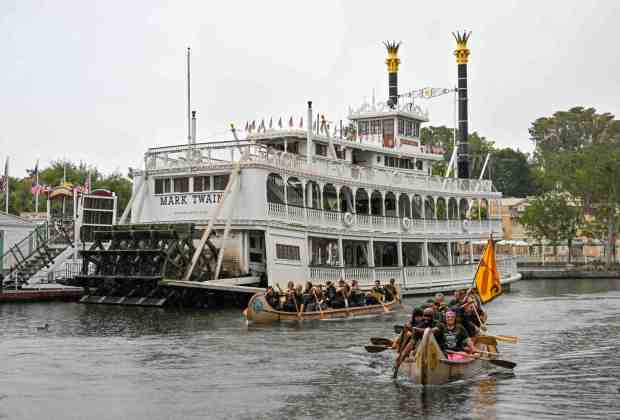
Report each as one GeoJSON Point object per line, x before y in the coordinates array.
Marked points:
{"type": "Point", "coordinates": [103, 81]}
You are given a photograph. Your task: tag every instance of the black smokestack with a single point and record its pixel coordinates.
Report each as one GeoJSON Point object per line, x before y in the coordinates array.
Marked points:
{"type": "Point", "coordinates": [392, 64]}
{"type": "Point", "coordinates": [462, 54]}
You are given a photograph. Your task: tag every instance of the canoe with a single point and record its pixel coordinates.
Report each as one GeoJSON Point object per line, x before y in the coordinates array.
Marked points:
{"type": "Point", "coordinates": [260, 311]}
{"type": "Point", "coordinates": [431, 367]}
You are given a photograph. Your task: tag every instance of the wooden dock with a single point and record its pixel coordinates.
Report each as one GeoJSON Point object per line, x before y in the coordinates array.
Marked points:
{"type": "Point", "coordinates": [41, 294]}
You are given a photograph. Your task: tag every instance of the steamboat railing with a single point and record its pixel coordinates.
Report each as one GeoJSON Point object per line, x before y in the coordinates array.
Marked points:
{"type": "Point", "coordinates": [413, 278]}
{"type": "Point", "coordinates": [221, 155]}
{"type": "Point", "coordinates": [325, 218]}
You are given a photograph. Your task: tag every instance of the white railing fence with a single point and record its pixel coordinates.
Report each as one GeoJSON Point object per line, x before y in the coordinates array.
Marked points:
{"type": "Point", "coordinates": [223, 154]}
{"type": "Point", "coordinates": [425, 277]}
{"type": "Point", "coordinates": [321, 218]}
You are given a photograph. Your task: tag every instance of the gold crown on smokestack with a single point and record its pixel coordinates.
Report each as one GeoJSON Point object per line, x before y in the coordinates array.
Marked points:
{"type": "Point", "coordinates": [392, 61]}
{"type": "Point", "coordinates": [461, 52]}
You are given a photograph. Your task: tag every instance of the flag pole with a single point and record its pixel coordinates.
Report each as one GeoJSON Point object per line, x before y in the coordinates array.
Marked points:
{"type": "Point", "coordinates": [36, 196]}
{"type": "Point", "coordinates": [6, 191]}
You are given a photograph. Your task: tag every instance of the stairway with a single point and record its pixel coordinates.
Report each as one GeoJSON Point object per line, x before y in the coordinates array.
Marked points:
{"type": "Point", "coordinates": [438, 254]}
{"type": "Point", "coordinates": [32, 254]}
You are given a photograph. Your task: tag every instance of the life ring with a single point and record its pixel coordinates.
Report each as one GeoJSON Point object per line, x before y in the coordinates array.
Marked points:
{"type": "Point", "coordinates": [466, 225]}
{"type": "Point", "coordinates": [347, 219]}
{"type": "Point", "coordinates": [406, 223]}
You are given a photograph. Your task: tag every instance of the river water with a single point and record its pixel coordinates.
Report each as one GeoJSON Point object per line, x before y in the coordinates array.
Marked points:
{"type": "Point", "coordinates": [102, 362]}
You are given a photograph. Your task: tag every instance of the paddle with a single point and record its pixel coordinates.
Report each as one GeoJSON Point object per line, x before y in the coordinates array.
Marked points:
{"type": "Point", "coordinates": [508, 338]}
{"type": "Point", "coordinates": [385, 309]}
{"type": "Point", "coordinates": [498, 362]}
{"type": "Point", "coordinates": [376, 349]}
{"type": "Point", "coordinates": [502, 363]}
{"type": "Point", "coordinates": [401, 346]}
{"type": "Point", "coordinates": [483, 339]}
{"type": "Point", "coordinates": [380, 341]}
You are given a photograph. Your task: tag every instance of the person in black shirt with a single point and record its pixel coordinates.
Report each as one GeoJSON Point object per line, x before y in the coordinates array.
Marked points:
{"type": "Point", "coordinates": [414, 332]}
{"type": "Point", "coordinates": [357, 297]}
{"type": "Point", "coordinates": [376, 295]}
{"type": "Point", "coordinates": [454, 337]}
{"type": "Point", "coordinates": [272, 298]}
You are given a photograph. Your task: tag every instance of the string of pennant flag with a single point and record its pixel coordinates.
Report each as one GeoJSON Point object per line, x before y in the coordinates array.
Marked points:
{"type": "Point", "coordinates": [321, 125]}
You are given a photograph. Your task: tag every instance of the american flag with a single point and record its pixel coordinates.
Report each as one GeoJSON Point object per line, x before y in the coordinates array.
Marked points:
{"type": "Point", "coordinates": [87, 185]}
{"type": "Point", "coordinates": [36, 188]}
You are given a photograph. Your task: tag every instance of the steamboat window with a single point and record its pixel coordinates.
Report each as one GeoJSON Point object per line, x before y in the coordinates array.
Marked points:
{"type": "Point", "coordinates": [292, 148]}
{"type": "Point", "coordinates": [220, 182]}
{"type": "Point", "coordinates": [275, 189]}
{"type": "Point", "coordinates": [202, 183]}
{"type": "Point", "coordinates": [287, 252]}
{"type": "Point", "coordinates": [256, 257]}
{"type": "Point", "coordinates": [320, 149]}
{"type": "Point", "coordinates": [339, 152]}
{"type": "Point", "coordinates": [409, 128]}
{"type": "Point", "coordinates": [363, 127]}
{"type": "Point", "coordinates": [181, 185]}
{"type": "Point", "coordinates": [419, 165]}
{"type": "Point", "coordinates": [401, 127]}
{"type": "Point", "coordinates": [162, 186]}
{"type": "Point", "coordinates": [375, 127]}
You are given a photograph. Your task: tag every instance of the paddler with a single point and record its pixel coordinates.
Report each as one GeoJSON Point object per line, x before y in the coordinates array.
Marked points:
{"type": "Point", "coordinates": [307, 298]}
{"type": "Point", "coordinates": [290, 302]}
{"type": "Point", "coordinates": [471, 317]}
{"type": "Point", "coordinates": [414, 332]}
{"type": "Point", "coordinates": [342, 295]}
{"type": "Point", "coordinates": [454, 338]}
{"type": "Point", "coordinates": [376, 295]}
{"type": "Point", "coordinates": [272, 298]}
{"type": "Point", "coordinates": [357, 297]}
{"type": "Point", "coordinates": [391, 292]}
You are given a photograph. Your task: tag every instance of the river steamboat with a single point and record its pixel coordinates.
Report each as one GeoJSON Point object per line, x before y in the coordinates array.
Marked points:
{"type": "Point", "coordinates": [317, 200]}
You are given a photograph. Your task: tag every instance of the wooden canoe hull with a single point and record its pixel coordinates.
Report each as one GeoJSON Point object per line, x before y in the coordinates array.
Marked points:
{"type": "Point", "coordinates": [260, 311]}
{"type": "Point", "coordinates": [430, 367]}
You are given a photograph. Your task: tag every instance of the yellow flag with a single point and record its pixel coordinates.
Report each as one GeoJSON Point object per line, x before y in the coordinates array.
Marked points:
{"type": "Point", "coordinates": [487, 276]}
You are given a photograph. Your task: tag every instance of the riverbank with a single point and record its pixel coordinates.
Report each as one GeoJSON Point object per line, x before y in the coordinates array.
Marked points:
{"type": "Point", "coordinates": [563, 271]}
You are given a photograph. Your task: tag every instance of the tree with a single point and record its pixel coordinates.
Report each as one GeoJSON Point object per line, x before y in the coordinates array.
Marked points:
{"type": "Point", "coordinates": [553, 217]}
{"type": "Point", "coordinates": [22, 200]}
{"type": "Point", "coordinates": [443, 137]}
{"type": "Point", "coordinates": [578, 151]}
{"type": "Point", "coordinates": [512, 173]}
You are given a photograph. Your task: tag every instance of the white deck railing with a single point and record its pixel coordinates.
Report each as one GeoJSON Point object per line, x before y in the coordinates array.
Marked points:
{"type": "Point", "coordinates": [223, 154]}
{"type": "Point", "coordinates": [323, 218]}
{"type": "Point", "coordinates": [411, 278]}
